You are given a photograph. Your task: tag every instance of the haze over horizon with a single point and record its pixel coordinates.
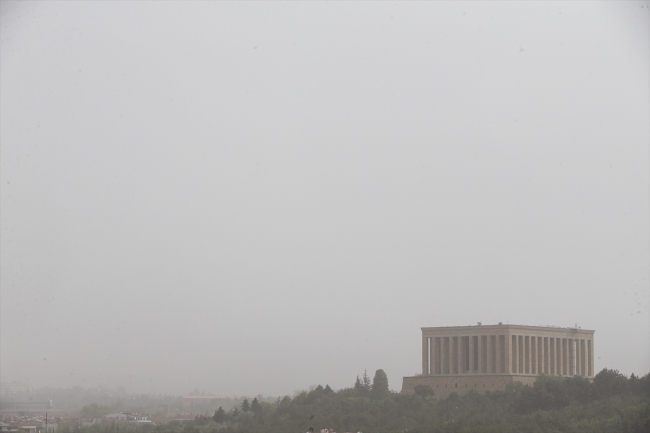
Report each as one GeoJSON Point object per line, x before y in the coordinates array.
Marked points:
{"type": "Point", "coordinates": [252, 198]}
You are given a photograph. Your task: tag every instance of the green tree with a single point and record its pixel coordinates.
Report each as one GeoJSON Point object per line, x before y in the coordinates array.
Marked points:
{"type": "Point", "coordinates": [245, 405]}
{"type": "Point", "coordinates": [379, 389]}
{"type": "Point", "coordinates": [362, 386]}
{"type": "Point", "coordinates": [610, 382]}
{"type": "Point", "coordinates": [358, 387]}
{"type": "Point", "coordinates": [256, 407]}
{"type": "Point", "coordinates": [423, 390]}
{"type": "Point", "coordinates": [219, 415]}
{"type": "Point", "coordinates": [95, 410]}
{"type": "Point", "coordinates": [366, 381]}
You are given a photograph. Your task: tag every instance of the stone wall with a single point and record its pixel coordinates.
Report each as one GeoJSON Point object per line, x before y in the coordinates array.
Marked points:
{"type": "Point", "coordinates": [442, 386]}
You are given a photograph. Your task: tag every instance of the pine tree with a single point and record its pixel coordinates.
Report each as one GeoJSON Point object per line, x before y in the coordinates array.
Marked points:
{"type": "Point", "coordinates": [366, 381]}
{"type": "Point", "coordinates": [362, 386]}
{"type": "Point", "coordinates": [256, 406]}
{"type": "Point", "coordinates": [245, 406]}
{"type": "Point", "coordinates": [219, 415]}
{"type": "Point", "coordinates": [357, 385]}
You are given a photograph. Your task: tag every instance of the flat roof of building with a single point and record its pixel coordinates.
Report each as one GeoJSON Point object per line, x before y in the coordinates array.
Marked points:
{"type": "Point", "coordinates": [505, 326]}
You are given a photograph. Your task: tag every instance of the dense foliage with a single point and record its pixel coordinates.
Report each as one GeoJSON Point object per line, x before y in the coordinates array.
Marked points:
{"type": "Point", "coordinates": [611, 403]}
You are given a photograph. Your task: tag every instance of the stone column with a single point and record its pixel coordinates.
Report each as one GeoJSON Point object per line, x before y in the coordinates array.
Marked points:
{"type": "Point", "coordinates": [450, 356]}
{"type": "Point", "coordinates": [490, 354]}
{"type": "Point", "coordinates": [454, 356]}
{"type": "Point", "coordinates": [486, 354]}
{"type": "Point", "coordinates": [479, 351]}
{"type": "Point", "coordinates": [578, 372]}
{"type": "Point", "coordinates": [533, 354]}
{"type": "Point", "coordinates": [526, 354]}
{"type": "Point", "coordinates": [567, 356]}
{"type": "Point", "coordinates": [515, 354]}
{"type": "Point", "coordinates": [586, 358]}
{"type": "Point", "coordinates": [494, 343]}
{"type": "Point", "coordinates": [578, 358]}
{"type": "Point", "coordinates": [552, 354]}
{"type": "Point", "coordinates": [582, 357]}
{"type": "Point", "coordinates": [471, 355]}
{"type": "Point", "coordinates": [529, 354]}
{"type": "Point", "coordinates": [549, 355]}
{"type": "Point", "coordinates": [507, 362]}
{"type": "Point", "coordinates": [438, 358]}
{"type": "Point", "coordinates": [569, 342]}
{"type": "Point", "coordinates": [583, 350]}
{"type": "Point", "coordinates": [573, 357]}
{"type": "Point", "coordinates": [445, 355]}
{"type": "Point", "coordinates": [499, 350]}
{"type": "Point", "coordinates": [536, 359]}
{"type": "Point", "coordinates": [563, 356]}
{"type": "Point", "coordinates": [432, 355]}
{"type": "Point", "coordinates": [591, 357]}
{"type": "Point", "coordinates": [522, 354]}
{"type": "Point", "coordinates": [555, 366]}
{"type": "Point", "coordinates": [452, 351]}
{"type": "Point", "coordinates": [425, 354]}
{"type": "Point", "coordinates": [558, 356]}
{"type": "Point", "coordinates": [459, 355]}
{"type": "Point", "coordinates": [542, 354]}
{"type": "Point", "coordinates": [547, 345]}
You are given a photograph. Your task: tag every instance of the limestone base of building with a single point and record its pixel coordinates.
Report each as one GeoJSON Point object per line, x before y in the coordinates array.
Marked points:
{"type": "Point", "coordinates": [444, 385]}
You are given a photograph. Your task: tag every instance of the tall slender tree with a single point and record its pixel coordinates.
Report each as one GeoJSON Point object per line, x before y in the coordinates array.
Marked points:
{"type": "Point", "coordinates": [366, 381]}
{"type": "Point", "coordinates": [219, 415]}
{"type": "Point", "coordinates": [256, 406]}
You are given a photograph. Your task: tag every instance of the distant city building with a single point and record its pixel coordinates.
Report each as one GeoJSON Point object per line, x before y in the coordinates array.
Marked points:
{"type": "Point", "coordinates": [86, 423]}
{"type": "Point", "coordinates": [7, 428]}
{"type": "Point", "coordinates": [128, 417]}
{"type": "Point", "coordinates": [488, 358]}
{"type": "Point", "coordinates": [50, 427]}
{"type": "Point", "coordinates": [116, 417]}
{"type": "Point", "coordinates": [10, 389]}
{"type": "Point", "coordinates": [24, 405]}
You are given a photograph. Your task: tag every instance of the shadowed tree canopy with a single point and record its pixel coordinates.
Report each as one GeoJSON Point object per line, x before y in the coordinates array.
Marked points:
{"type": "Point", "coordinates": [219, 415]}
{"type": "Point", "coordinates": [95, 410]}
{"type": "Point", "coordinates": [379, 388]}
{"type": "Point", "coordinates": [256, 407]}
{"type": "Point", "coordinates": [612, 403]}
{"type": "Point", "coordinates": [423, 391]}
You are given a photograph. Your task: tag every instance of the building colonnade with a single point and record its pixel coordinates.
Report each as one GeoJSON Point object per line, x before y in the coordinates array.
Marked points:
{"type": "Point", "coordinates": [507, 353]}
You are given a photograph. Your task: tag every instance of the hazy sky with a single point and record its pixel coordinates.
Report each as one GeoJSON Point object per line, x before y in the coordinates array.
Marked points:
{"type": "Point", "coordinates": [256, 197]}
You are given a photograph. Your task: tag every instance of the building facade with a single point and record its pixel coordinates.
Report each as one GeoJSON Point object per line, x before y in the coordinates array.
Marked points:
{"type": "Point", "coordinates": [489, 357]}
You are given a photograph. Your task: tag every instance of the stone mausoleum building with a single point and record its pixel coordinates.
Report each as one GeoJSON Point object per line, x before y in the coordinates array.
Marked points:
{"type": "Point", "coordinates": [489, 357]}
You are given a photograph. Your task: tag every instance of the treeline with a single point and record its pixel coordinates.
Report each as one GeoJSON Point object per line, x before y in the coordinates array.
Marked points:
{"type": "Point", "coordinates": [611, 402]}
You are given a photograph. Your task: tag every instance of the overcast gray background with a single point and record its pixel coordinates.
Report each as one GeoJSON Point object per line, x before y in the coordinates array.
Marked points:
{"type": "Point", "coordinates": [256, 197]}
